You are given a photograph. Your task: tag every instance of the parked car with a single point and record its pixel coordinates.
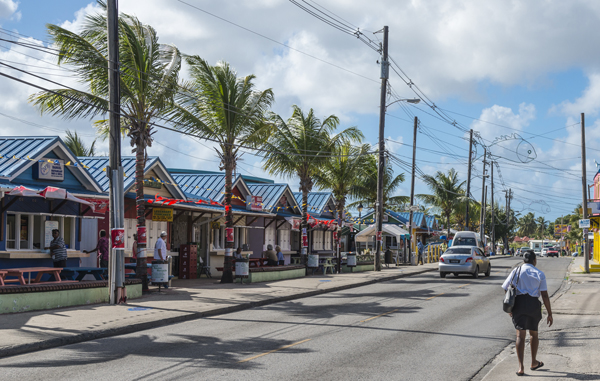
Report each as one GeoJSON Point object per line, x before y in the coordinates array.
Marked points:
{"type": "Point", "coordinates": [544, 252]}
{"type": "Point", "coordinates": [467, 238]}
{"type": "Point", "coordinates": [464, 260]}
{"type": "Point", "coordinates": [537, 252]}
{"type": "Point", "coordinates": [553, 252]}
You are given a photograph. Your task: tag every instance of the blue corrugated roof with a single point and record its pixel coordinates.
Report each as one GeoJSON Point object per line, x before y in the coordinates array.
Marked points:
{"type": "Point", "coordinates": [317, 201]}
{"type": "Point", "coordinates": [271, 194]}
{"type": "Point", "coordinates": [95, 165]}
{"type": "Point", "coordinates": [21, 147]}
{"type": "Point", "coordinates": [203, 186]}
{"type": "Point", "coordinates": [248, 179]}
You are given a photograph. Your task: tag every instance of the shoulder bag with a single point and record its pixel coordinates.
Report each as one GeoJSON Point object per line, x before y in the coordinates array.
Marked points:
{"type": "Point", "coordinates": [511, 294]}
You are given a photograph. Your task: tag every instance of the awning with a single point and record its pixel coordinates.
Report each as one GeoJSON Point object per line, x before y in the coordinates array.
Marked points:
{"type": "Point", "coordinates": [393, 230]}
{"type": "Point", "coordinates": [49, 193]}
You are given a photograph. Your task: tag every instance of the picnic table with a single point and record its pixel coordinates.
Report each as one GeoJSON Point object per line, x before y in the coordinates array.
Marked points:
{"type": "Point", "coordinates": [2, 275]}
{"type": "Point", "coordinates": [258, 262]}
{"type": "Point", "coordinates": [78, 273]}
{"type": "Point", "coordinates": [41, 271]}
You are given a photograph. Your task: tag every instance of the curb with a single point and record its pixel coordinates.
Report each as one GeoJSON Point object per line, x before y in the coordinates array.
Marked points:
{"type": "Point", "coordinates": [101, 334]}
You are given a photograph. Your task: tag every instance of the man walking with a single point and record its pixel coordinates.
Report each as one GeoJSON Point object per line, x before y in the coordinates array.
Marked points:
{"type": "Point", "coordinates": [160, 248]}
{"type": "Point", "coordinates": [58, 250]}
{"type": "Point", "coordinates": [420, 248]}
{"type": "Point", "coordinates": [526, 314]}
{"type": "Point", "coordinates": [102, 249]}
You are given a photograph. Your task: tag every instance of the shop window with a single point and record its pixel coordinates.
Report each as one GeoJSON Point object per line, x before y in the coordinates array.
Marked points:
{"type": "Point", "coordinates": [327, 241]}
{"type": "Point", "coordinates": [317, 237]}
{"type": "Point", "coordinates": [283, 239]}
{"type": "Point", "coordinates": [24, 231]}
{"type": "Point", "coordinates": [67, 232]}
{"type": "Point", "coordinates": [11, 230]}
{"type": "Point", "coordinates": [38, 232]}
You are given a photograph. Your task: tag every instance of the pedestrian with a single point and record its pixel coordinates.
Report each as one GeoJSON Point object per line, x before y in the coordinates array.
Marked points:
{"type": "Point", "coordinates": [160, 248]}
{"type": "Point", "coordinates": [271, 255]}
{"type": "Point", "coordinates": [101, 248]}
{"type": "Point", "coordinates": [58, 249]}
{"type": "Point", "coordinates": [526, 314]}
{"type": "Point", "coordinates": [420, 248]}
{"type": "Point", "coordinates": [444, 247]}
{"type": "Point", "coordinates": [134, 249]}
{"type": "Point", "coordinates": [238, 253]}
{"type": "Point", "coordinates": [280, 258]}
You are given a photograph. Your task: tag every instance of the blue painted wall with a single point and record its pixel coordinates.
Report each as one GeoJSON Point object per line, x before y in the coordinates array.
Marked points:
{"type": "Point", "coordinates": [70, 182]}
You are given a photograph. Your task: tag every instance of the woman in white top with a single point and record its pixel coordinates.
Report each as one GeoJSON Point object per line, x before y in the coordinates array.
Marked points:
{"type": "Point", "coordinates": [527, 311]}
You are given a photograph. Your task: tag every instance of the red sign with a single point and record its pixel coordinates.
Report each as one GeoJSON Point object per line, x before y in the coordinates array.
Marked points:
{"type": "Point", "coordinates": [335, 236]}
{"type": "Point", "coordinates": [296, 223]}
{"type": "Point", "coordinates": [141, 235]}
{"type": "Point", "coordinates": [379, 236]}
{"type": "Point", "coordinates": [117, 238]}
{"type": "Point", "coordinates": [304, 241]}
{"type": "Point", "coordinates": [229, 234]}
{"type": "Point", "coordinates": [254, 203]}
{"type": "Point", "coordinates": [100, 205]}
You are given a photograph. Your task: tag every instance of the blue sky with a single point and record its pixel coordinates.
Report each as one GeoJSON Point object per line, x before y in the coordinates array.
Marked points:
{"type": "Point", "coordinates": [506, 70]}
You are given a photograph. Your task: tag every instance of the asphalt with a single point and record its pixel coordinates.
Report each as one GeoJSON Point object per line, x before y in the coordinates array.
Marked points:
{"type": "Point", "coordinates": [185, 300]}
{"type": "Point", "coordinates": [570, 349]}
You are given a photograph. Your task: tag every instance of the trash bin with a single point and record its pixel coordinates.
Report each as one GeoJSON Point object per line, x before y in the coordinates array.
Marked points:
{"type": "Point", "coordinates": [388, 257]}
{"type": "Point", "coordinates": [351, 259]}
{"type": "Point", "coordinates": [313, 260]}
{"type": "Point", "coordinates": [413, 258]}
{"type": "Point", "coordinates": [242, 268]}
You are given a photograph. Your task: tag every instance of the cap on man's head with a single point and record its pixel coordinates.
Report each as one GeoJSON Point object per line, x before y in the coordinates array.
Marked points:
{"type": "Point", "coordinates": [529, 256]}
{"type": "Point", "coordinates": [163, 234]}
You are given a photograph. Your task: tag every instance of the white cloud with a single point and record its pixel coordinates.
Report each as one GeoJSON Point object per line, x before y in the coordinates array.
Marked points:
{"type": "Point", "coordinates": [8, 9]}
{"type": "Point", "coordinates": [588, 103]}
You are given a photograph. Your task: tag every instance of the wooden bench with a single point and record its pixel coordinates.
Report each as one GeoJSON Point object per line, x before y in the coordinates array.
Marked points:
{"type": "Point", "coordinates": [41, 271]}
{"type": "Point", "coordinates": [2, 276]}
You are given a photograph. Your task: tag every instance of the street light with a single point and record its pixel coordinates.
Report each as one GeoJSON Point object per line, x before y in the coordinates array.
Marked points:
{"type": "Point", "coordinates": [412, 100]}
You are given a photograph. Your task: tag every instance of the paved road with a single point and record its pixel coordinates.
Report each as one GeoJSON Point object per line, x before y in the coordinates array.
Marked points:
{"type": "Point", "coordinates": [415, 328]}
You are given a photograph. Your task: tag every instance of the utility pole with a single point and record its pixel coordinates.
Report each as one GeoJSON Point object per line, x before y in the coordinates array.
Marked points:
{"type": "Point", "coordinates": [586, 249]}
{"type": "Point", "coordinates": [381, 169]}
{"type": "Point", "coordinates": [508, 217]}
{"type": "Point", "coordinates": [413, 235]}
{"type": "Point", "coordinates": [116, 271]}
{"type": "Point", "coordinates": [484, 210]}
{"type": "Point", "coordinates": [493, 228]}
{"type": "Point", "coordinates": [469, 179]}
{"type": "Point", "coordinates": [482, 214]}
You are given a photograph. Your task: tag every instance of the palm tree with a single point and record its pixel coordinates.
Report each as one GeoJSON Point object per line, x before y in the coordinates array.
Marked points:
{"type": "Point", "coordinates": [77, 146]}
{"type": "Point", "coordinates": [302, 145]}
{"type": "Point", "coordinates": [447, 193]}
{"type": "Point", "coordinates": [340, 173]}
{"type": "Point", "coordinates": [228, 110]}
{"type": "Point", "coordinates": [526, 225]}
{"type": "Point", "coordinates": [148, 83]}
{"type": "Point", "coordinates": [542, 224]}
{"type": "Point", "coordinates": [365, 191]}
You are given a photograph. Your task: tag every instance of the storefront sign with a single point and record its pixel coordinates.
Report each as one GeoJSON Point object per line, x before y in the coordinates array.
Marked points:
{"type": "Point", "coordinates": [48, 227]}
{"type": "Point", "coordinates": [215, 225]}
{"type": "Point", "coordinates": [593, 208]}
{"type": "Point", "coordinates": [304, 241]}
{"type": "Point", "coordinates": [117, 238]}
{"type": "Point", "coordinates": [141, 235]}
{"type": "Point", "coordinates": [584, 224]}
{"type": "Point", "coordinates": [560, 229]}
{"type": "Point", "coordinates": [254, 203]}
{"type": "Point", "coordinates": [296, 224]}
{"type": "Point", "coordinates": [49, 169]}
{"type": "Point", "coordinates": [229, 234]}
{"type": "Point", "coordinates": [149, 183]}
{"type": "Point", "coordinates": [160, 214]}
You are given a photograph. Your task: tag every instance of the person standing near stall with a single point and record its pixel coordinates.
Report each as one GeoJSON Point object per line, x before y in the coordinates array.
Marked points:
{"type": "Point", "coordinates": [134, 249]}
{"type": "Point", "coordinates": [160, 248]}
{"type": "Point", "coordinates": [58, 250]}
{"type": "Point", "coordinates": [102, 249]}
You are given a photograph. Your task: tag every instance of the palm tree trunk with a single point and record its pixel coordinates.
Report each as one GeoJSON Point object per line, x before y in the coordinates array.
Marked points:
{"type": "Point", "coordinates": [448, 222]}
{"type": "Point", "coordinates": [304, 223]}
{"type": "Point", "coordinates": [340, 205]}
{"type": "Point", "coordinates": [141, 270]}
{"type": "Point", "coordinates": [227, 276]}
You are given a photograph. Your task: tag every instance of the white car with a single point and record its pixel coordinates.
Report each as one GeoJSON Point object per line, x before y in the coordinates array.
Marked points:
{"type": "Point", "coordinates": [544, 252]}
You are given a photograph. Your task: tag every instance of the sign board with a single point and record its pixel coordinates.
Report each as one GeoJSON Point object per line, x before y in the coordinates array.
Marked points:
{"type": "Point", "coordinates": [100, 204]}
{"type": "Point", "coordinates": [141, 235]}
{"type": "Point", "coordinates": [414, 208]}
{"type": "Point", "coordinates": [229, 234]}
{"type": "Point", "coordinates": [304, 241]}
{"type": "Point", "coordinates": [162, 214]}
{"type": "Point", "coordinates": [379, 236]}
{"type": "Point", "coordinates": [593, 207]}
{"type": "Point", "coordinates": [48, 227]}
{"type": "Point", "coordinates": [584, 224]}
{"type": "Point", "coordinates": [296, 224]}
{"type": "Point", "coordinates": [117, 238]}
{"type": "Point", "coordinates": [254, 203]}
{"type": "Point", "coordinates": [560, 229]}
{"type": "Point", "coordinates": [149, 183]}
{"type": "Point", "coordinates": [385, 217]}
{"type": "Point", "coordinates": [215, 225]}
{"type": "Point", "coordinates": [49, 169]}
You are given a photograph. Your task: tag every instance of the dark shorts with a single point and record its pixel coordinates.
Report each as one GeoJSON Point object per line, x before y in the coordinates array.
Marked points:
{"type": "Point", "coordinates": [527, 312]}
{"type": "Point", "coordinates": [60, 264]}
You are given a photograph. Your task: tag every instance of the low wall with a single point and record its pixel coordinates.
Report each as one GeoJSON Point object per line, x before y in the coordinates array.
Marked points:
{"type": "Point", "coordinates": [31, 299]}
{"type": "Point", "coordinates": [269, 274]}
{"type": "Point", "coordinates": [360, 266]}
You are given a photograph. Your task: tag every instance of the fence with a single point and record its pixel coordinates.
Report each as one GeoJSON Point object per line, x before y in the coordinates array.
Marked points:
{"type": "Point", "coordinates": [432, 253]}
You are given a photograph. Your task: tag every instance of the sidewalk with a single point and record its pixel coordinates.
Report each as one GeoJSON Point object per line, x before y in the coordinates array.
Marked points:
{"type": "Point", "coordinates": [571, 347]}
{"type": "Point", "coordinates": [185, 300]}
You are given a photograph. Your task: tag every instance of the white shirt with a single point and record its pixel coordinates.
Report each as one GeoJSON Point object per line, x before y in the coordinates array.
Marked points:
{"type": "Point", "coordinates": [530, 281]}
{"type": "Point", "coordinates": [160, 244]}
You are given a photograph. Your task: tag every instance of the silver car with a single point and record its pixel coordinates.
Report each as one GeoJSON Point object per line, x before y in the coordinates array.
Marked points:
{"type": "Point", "coordinates": [464, 260]}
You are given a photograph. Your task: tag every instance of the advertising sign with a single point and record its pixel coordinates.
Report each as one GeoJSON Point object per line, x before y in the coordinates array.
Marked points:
{"type": "Point", "coordinates": [560, 229]}
{"type": "Point", "coordinates": [254, 203]}
{"type": "Point", "coordinates": [304, 241]}
{"type": "Point", "coordinates": [229, 234]}
{"type": "Point", "coordinates": [296, 224]}
{"type": "Point", "coordinates": [379, 236]}
{"type": "Point", "coordinates": [162, 214]}
{"type": "Point", "coordinates": [117, 238]}
{"type": "Point", "coordinates": [49, 169]}
{"type": "Point", "coordinates": [594, 208]}
{"type": "Point", "coordinates": [335, 236]}
{"type": "Point", "coordinates": [48, 227]}
{"type": "Point", "coordinates": [215, 225]}
{"type": "Point", "coordinates": [100, 205]}
{"type": "Point", "coordinates": [141, 235]}
{"type": "Point", "coordinates": [584, 224]}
